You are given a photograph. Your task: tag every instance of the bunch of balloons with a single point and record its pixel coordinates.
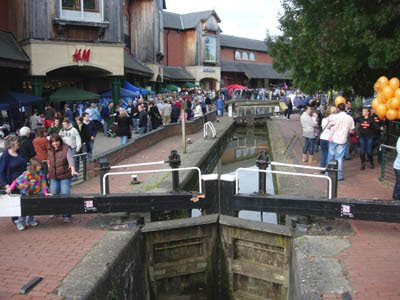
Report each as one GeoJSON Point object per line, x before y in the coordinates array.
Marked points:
{"type": "Point", "coordinates": [387, 100]}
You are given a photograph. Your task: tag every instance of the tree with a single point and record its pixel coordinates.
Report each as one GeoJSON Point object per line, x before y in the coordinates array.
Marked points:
{"type": "Point", "coordinates": [338, 44]}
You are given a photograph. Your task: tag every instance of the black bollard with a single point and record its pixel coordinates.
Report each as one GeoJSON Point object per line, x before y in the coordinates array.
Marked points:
{"type": "Point", "coordinates": [227, 186]}
{"type": "Point", "coordinates": [211, 192]}
{"type": "Point", "coordinates": [104, 168]}
{"type": "Point", "coordinates": [332, 170]}
{"type": "Point", "coordinates": [262, 163]}
{"type": "Point", "coordinates": [174, 161]}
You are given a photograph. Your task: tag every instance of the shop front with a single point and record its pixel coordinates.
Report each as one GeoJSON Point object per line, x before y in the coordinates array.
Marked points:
{"type": "Point", "coordinates": [92, 67]}
{"type": "Point", "coordinates": [209, 78]}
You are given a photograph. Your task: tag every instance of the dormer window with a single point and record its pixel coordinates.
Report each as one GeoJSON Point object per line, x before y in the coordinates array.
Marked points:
{"type": "Point", "coordinates": [252, 56]}
{"type": "Point", "coordinates": [82, 10]}
{"type": "Point", "coordinates": [238, 54]}
{"type": "Point", "coordinates": [245, 56]}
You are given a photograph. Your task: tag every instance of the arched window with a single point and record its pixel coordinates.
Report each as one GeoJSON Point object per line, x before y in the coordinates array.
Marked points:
{"type": "Point", "coordinates": [252, 56]}
{"type": "Point", "coordinates": [245, 56]}
{"type": "Point", "coordinates": [237, 54]}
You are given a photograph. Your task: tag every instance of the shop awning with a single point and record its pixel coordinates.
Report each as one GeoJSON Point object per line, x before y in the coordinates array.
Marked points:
{"type": "Point", "coordinates": [135, 66]}
{"type": "Point", "coordinates": [70, 94]}
{"type": "Point", "coordinates": [11, 53]}
{"type": "Point", "coordinates": [10, 99]}
{"type": "Point", "coordinates": [176, 74]}
{"type": "Point", "coordinates": [189, 85]}
{"type": "Point", "coordinates": [129, 86]}
{"type": "Point", "coordinates": [172, 87]}
{"type": "Point", "coordinates": [123, 93]}
{"type": "Point", "coordinates": [253, 70]}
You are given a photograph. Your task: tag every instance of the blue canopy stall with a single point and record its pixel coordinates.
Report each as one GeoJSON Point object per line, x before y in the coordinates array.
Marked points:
{"type": "Point", "coordinates": [126, 96]}
{"type": "Point", "coordinates": [133, 88]}
{"type": "Point", "coordinates": [10, 99]}
{"type": "Point", "coordinates": [15, 104]}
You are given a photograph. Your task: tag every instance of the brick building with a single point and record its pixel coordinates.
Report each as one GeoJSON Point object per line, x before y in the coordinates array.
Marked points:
{"type": "Point", "coordinates": [247, 62]}
{"type": "Point", "coordinates": [195, 46]}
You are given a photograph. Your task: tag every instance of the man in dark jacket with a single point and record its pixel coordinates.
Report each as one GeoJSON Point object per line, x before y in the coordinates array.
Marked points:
{"type": "Point", "coordinates": [142, 119]}
{"type": "Point", "coordinates": [25, 144]}
{"type": "Point", "coordinates": [174, 112]}
{"type": "Point", "coordinates": [92, 133]}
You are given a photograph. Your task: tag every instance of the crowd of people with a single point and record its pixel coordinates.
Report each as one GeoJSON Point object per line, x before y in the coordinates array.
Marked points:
{"type": "Point", "coordinates": [339, 133]}
{"type": "Point", "coordinates": [45, 149]}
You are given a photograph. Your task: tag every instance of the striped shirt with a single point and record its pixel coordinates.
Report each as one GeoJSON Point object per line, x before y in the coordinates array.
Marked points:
{"type": "Point", "coordinates": [343, 124]}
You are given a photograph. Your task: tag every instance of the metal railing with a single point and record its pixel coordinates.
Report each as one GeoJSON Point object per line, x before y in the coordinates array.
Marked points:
{"type": "Point", "coordinates": [104, 191]}
{"type": "Point", "coordinates": [285, 173]}
{"type": "Point", "coordinates": [212, 128]}
{"type": "Point", "coordinates": [161, 162]}
{"type": "Point", "coordinates": [388, 155]}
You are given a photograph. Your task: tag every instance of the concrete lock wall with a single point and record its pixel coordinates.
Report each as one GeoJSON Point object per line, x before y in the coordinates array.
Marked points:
{"type": "Point", "coordinates": [209, 257]}
{"type": "Point", "coordinates": [218, 257]}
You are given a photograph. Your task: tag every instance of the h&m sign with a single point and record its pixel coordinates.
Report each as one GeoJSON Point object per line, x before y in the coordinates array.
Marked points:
{"type": "Point", "coordinates": [81, 55]}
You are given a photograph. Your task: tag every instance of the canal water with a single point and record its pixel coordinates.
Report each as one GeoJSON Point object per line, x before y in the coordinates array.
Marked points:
{"type": "Point", "coordinates": [242, 151]}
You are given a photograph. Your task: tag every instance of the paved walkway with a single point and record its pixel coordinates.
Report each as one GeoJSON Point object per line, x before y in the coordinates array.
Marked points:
{"type": "Point", "coordinates": [372, 262]}
{"type": "Point", "coordinates": [53, 249]}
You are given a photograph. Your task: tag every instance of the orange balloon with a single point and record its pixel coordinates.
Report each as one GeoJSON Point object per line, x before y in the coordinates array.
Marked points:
{"type": "Point", "coordinates": [339, 99]}
{"type": "Point", "coordinates": [377, 87]}
{"type": "Point", "coordinates": [391, 114]}
{"type": "Point", "coordinates": [397, 93]}
{"type": "Point", "coordinates": [375, 103]}
{"type": "Point", "coordinates": [383, 81]}
{"type": "Point", "coordinates": [387, 92]}
{"type": "Point", "coordinates": [394, 83]}
{"type": "Point", "coordinates": [393, 103]}
{"type": "Point", "coordinates": [381, 110]}
{"type": "Point", "coordinates": [380, 96]}
{"type": "Point", "coordinates": [398, 114]}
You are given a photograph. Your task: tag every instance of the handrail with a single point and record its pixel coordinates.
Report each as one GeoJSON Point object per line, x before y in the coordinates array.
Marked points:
{"type": "Point", "coordinates": [161, 162]}
{"type": "Point", "coordinates": [274, 163]}
{"type": "Point", "coordinates": [151, 171]}
{"type": "Point", "coordinates": [386, 146]}
{"type": "Point", "coordinates": [212, 128]}
{"type": "Point", "coordinates": [81, 154]}
{"type": "Point", "coordinates": [285, 173]}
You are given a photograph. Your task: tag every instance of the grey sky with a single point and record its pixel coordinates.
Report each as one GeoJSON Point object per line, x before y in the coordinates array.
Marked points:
{"type": "Point", "coordinates": [248, 18]}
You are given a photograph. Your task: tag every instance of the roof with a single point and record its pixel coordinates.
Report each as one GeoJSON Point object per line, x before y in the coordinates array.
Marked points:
{"type": "Point", "coordinates": [187, 21]}
{"type": "Point", "coordinates": [231, 41]}
{"type": "Point", "coordinates": [177, 74]}
{"type": "Point", "coordinates": [69, 93]}
{"type": "Point", "coordinates": [253, 70]}
{"type": "Point", "coordinates": [11, 53]}
{"type": "Point", "coordinates": [134, 65]}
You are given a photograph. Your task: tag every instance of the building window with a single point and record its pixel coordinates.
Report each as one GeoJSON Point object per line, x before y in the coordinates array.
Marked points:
{"type": "Point", "coordinates": [82, 10]}
{"type": "Point", "coordinates": [210, 47]}
{"type": "Point", "coordinates": [237, 54]}
{"type": "Point", "coordinates": [245, 56]}
{"type": "Point", "coordinates": [252, 56]}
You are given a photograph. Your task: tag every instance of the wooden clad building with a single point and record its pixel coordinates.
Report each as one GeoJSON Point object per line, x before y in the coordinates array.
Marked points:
{"type": "Point", "coordinates": [191, 42]}
{"type": "Point", "coordinates": [69, 42]}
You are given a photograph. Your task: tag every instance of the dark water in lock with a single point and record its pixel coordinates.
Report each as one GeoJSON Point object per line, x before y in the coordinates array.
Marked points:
{"type": "Point", "coordinates": [241, 152]}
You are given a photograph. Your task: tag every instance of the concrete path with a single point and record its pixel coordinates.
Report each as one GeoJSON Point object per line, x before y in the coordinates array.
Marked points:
{"type": "Point", "coordinates": [372, 261]}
